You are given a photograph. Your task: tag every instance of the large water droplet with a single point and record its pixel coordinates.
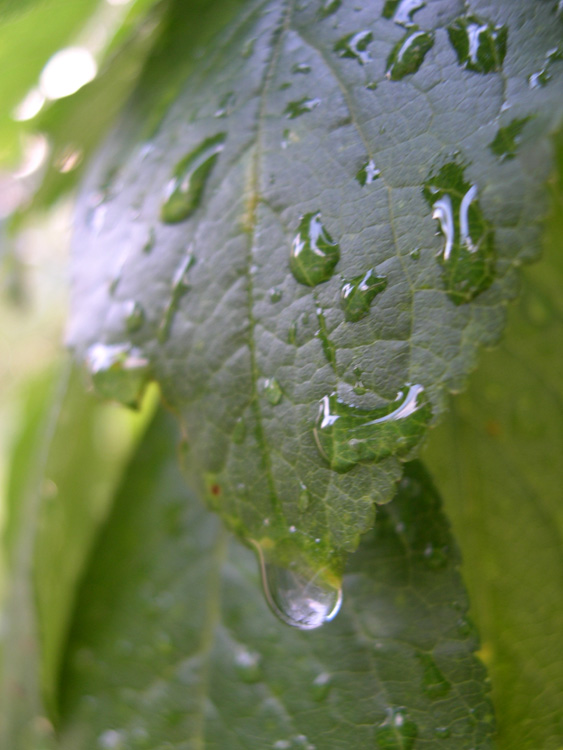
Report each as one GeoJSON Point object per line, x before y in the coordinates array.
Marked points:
{"type": "Point", "coordinates": [314, 254]}
{"type": "Point", "coordinates": [397, 732]}
{"type": "Point", "coordinates": [304, 600]}
{"type": "Point", "coordinates": [346, 434]}
{"type": "Point", "coordinates": [408, 55]}
{"type": "Point", "coordinates": [134, 316]}
{"type": "Point", "coordinates": [468, 257]}
{"type": "Point", "coordinates": [368, 173]}
{"type": "Point", "coordinates": [434, 684]}
{"type": "Point", "coordinates": [357, 294]}
{"type": "Point", "coordinates": [402, 11]}
{"type": "Point", "coordinates": [272, 391]}
{"type": "Point", "coordinates": [479, 45]}
{"type": "Point", "coordinates": [355, 46]}
{"type": "Point", "coordinates": [118, 371]}
{"type": "Point", "coordinates": [185, 189]}
{"type": "Point", "coordinates": [301, 107]}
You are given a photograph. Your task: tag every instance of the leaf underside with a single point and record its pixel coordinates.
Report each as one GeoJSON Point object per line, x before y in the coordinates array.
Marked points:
{"type": "Point", "coordinates": [245, 352]}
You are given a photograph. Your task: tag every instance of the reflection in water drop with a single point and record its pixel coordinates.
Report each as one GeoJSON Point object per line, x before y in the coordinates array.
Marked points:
{"type": "Point", "coordinates": [304, 601]}
{"type": "Point", "coordinates": [479, 45]}
{"type": "Point", "coordinates": [402, 11]}
{"type": "Point", "coordinates": [368, 173]}
{"type": "Point", "coordinates": [314, 254]}
{"type": "Point", "coordinates": [408, 55]}
{"type": "Point", "coordinates": [468, 257]}
{"type": "Point", "coordinates": [357, 294]}
{"type": "Point", "coordinates": [118, 372]}
{"type": "Point", "coordinates": [397, 732]}
{"type": "Point", "coordinates": [301, 107]}
{"type": "Point", "coordinates": [346, 434]}
{"type": "Point", "coordinates": [185, 189]}
{"type": "Point", "coordinates": [355, 46]}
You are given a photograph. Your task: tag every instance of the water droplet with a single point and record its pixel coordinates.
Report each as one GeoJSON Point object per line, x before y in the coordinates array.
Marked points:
{"type": "Point", "coordinates": [402, 11]}
{"type": "Point", "coordinates": [397, 732]}
{"type": "Point", "coordinates": [357, 294]}
{"type": "Point", "coordinates": [434, 684]}
{"type": "Point", "coordinates": [292, 333]}
{"type": "Point", "coordinates": [505, 143]}
{"type": "Point", "coordinates": [346, 434]}
{"type": "Point", "coordinates": [247, 665]}
{"type": "Point", "coordinates": [314, 254]}
{"type": "Point", "coordinates": [151, 240]}
{"type": "Point", "coordinates": [355, 46]}
{"type": "Point", "coordinates": [479, 45]}
{"type": "Point", "coordinates": [415, 254]}
{"type": "Point", "coordinates": [468, 257]}
{"type": "Point", "coordinates": [272, 391]}
{"type": "Point", "coordinates": [301, 107]}
{"type": "Point", "coordinates": [368, 173]}
{"type": "Point", "coordinates": [304, 499]}
{"type": "Point", "coordinates": [330, 7]}
{"type": "Point", "coordinates": [304, 600]}
{"type": "Point", "coordinates": [180, 285]}
{"type": "Point", "coordinates": [371, 86]}
{"type": "Point", "coordinates": [134, 316]}
{"type": "Point", "coordinates": [442, 733]}
{"type": "Point", "coordinates": [329, 349]}
{"type": "Point", "coordinates": [435, 557]}
{"type": "Point", "coordinates": [275, 294]}
{"type": "Point", "coordinates": [118, 372]}
{"type": "Point", "coordinates": [301, 68]}
{"type": "Point", "coordinates": [543, 76]}
{"type": "Point", "coordinates": [239, 431]}
{"type": "Point", "coordinates": [248, 48]}
{"type": "Point", "coordinates": [408, 55]}
{"type": "Point", "coordinates": [322, 685]}
{"type": "Point", "coordinates": [226, 105]}
{"type": "Point", "coordinates": [185, 189]}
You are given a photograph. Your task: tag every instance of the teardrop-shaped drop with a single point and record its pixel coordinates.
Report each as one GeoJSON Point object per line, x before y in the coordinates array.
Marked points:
{"type": "Point", "coordinates": [357, 294]}
{"type": "Point", "coordinates": [314, 254]}
{"type": "Point", "coordinates": [185, 189]}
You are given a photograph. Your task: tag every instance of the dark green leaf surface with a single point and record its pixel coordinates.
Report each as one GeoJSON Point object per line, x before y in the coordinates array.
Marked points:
{"type": "Point", "coordinates": [497, 461]}
{"type": "Point", "coordinates": [173, 646]}
{"type": "Point", "coordinates": [320, 148]}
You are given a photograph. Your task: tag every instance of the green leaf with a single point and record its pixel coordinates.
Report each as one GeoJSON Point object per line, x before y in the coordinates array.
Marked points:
{"type": "Point", "coordinates": [65, 469]}
{"type": "Point", "coordinates": [497, 462]}
{"type": "Point", "coordinates": [173, 646]}
{"type": "Point", "coordinates": [310, 145]}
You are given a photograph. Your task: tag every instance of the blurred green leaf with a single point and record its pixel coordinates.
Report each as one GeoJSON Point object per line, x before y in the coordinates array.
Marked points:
{"type": "Point", "coordinates": [497, 461]}
{"type": "Point", "coordinates": [173, 645]}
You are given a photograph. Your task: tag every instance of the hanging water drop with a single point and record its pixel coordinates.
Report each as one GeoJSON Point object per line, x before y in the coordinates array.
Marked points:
{"type": "Point", "coordinates": [368, 173]}
{"type": "Point", "coordinates": [480, 46]}
{"type": "Point", "coordinates": [355, 46]}
{"type": "Point", "coordinates": [118, 371]}
{"type": "Point", "coordinates": [397, 732]}
{"type": "Point", "coordinates": [300, 598]}
{"type": "Point", "coordinates": [357, 294]}
{"type": "Point", "coordinates": [314, 254]}
{"type": "Point", "coordinates": [346, 435]}
{"type": "Point", "coordinates": [301, 107]}
{"type": "Point", "coordinates": [468, 257]}
{"type": "Point", "coordinates": [185, 189]}
{"type": "Point", "coordinates": [408, 55]}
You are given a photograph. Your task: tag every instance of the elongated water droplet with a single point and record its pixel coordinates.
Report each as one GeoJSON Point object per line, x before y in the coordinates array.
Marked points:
{"type": "Point", "coordinates": [304, 499]}
{"type": "Point", "coordinates": [402, 11]}
{"type": "Point", "coordinates": [185, 189]}
{"type": "Point", "coordinates": [468, 257]}
{"type": "Point", "coordinates": [302, 68]}
{"type": "Point", "coordinates": [180, 285]}
{"type": "Point", "coordinates": [239, 431]}
{"type": "Point", "coordinates": [346, 434]}
{"type": "Point", "coordinates": [322, 685]}
{"type": "Point", "coordinates": [292, 334]}
{"type": "Point", "coordinates": [408, 55]}
{"type": "Point", "coordinates": [368, 173]}
{"type": "Point", "coordinates": [543, 76]}
{"type": "Point", "coordinates": [226, 105]}
{"type": "Point", "coordinates": [118, 371]}
{"type": "Point", "coordinates": [247, 664]}
{"type": "Point", "coordinates": [329, 349]}
{"type": "Point", "coordinates": [314, 254]}
{"type": "Point", "coordinates": [301, 107]}
{"type": "Point", "coordinates": [302, 599]}
{"type": "Point", "coordinates": [434, 684]}
{"type": "Point", "coordinates": [355, 46]}
{"type": "Point", "coordinates": [505, 143]}
{"type": "Point", "coordinates": [357, 294]}
{"type": "Point", "coordinates": [272, 391]}
{"type": "Point", "coordinates": [134, 316]}
{"type": "Point", "coordinates": [479, 45]}
{"type": "Point", "coordinates": [397, 732]}
{"type": "Point", "coordinates": [329, 7]}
